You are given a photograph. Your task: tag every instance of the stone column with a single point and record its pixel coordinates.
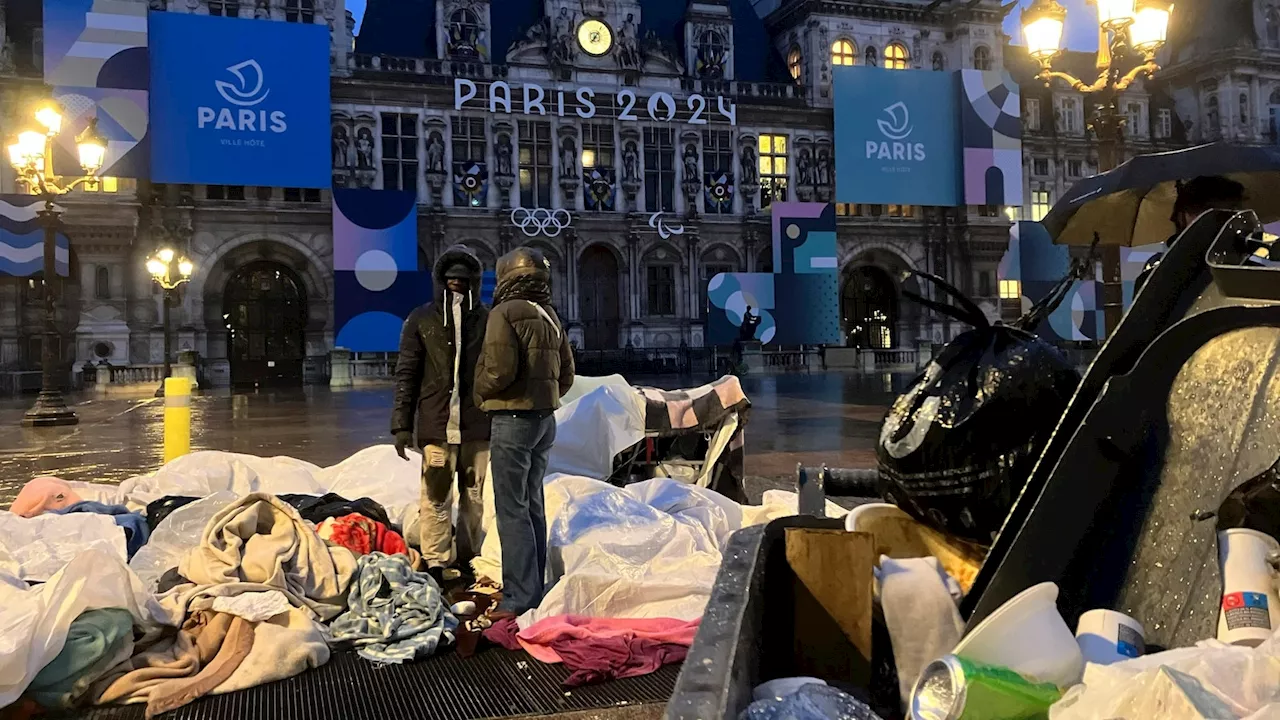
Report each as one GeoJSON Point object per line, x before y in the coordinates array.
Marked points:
{"type": "Point", "coordinates": [340, 368]}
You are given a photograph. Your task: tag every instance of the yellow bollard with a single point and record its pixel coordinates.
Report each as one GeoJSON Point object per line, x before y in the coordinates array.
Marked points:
{"type": "Point", "coordinates": [177, 417]}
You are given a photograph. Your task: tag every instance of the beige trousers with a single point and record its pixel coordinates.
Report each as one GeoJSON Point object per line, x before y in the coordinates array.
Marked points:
{"type": "Point", "coordinates": [440, 465]}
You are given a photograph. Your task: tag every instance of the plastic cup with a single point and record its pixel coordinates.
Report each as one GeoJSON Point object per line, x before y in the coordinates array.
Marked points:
{"type": "Point", "coordinates": [866, 513]}
{"type": "Point", "coordinates": [1029, 636]}
{"type": "Point", "coordinates": [1250, 610]}
{"type": "Point", "coordinates": [780, 688]}
{"type": "Point", "coordinates": [1107, 637]}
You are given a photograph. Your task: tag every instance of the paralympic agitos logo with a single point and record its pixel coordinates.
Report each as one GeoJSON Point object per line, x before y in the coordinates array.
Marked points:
{"type": "Point", "coordinates": [243, 98]}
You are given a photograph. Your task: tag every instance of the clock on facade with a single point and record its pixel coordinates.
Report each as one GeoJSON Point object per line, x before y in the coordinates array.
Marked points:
{"type": "Point", "coordinates": [595, 37]}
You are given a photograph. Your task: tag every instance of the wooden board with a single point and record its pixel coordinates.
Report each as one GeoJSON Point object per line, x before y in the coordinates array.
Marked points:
{"type": "Point", "coordinates": [834, 592]}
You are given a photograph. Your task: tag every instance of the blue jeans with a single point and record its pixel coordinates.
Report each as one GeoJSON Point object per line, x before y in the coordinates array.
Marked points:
{"type": "Point", "coordinates": [519, 444]}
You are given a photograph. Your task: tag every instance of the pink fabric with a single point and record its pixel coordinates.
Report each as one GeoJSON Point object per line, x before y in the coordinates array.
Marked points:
{"type": "Point", "coordinates": [606, 648]}
{"type": "Point", "coordinates": [504, 633]}
{"type": "Point", "coordinates": [42, 495]}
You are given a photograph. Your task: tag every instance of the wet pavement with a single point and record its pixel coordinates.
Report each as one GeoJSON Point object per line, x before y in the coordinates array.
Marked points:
{"type": "Point", "coordinates": [824, 418]}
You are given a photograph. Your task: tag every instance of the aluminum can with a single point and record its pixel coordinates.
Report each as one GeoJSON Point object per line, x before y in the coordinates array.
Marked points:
{"type": "Point", "coordinates": [953, 688]}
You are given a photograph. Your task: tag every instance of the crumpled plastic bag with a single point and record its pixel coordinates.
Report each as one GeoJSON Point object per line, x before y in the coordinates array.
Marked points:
{"type": "Point", "coordinates": [1192, 683]}
{"type": "Point", "coordinates": [957, 448]}
{"type": "Point", "coordinates": [175, 535]}
{"type": "Point", "coordinates": [33, 549]}
{"type": "Point", "coordinates": [811, 702]}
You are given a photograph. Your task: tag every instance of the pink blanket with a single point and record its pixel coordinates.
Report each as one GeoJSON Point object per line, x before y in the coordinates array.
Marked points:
{"type": "Point", "coordinates": [603, 648]}
{"type": "Point", "coordinates": [42, 495]}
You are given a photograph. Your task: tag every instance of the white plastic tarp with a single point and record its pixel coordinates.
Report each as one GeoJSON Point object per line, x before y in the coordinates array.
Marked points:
{"type": "Point", "coordinates": [33, 549]}
{"type": "Point", "coordinates": [34, 622]}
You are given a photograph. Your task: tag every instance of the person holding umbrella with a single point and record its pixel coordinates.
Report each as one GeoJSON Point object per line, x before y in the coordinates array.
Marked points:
{"type": "Point", "coordinates": [1195, 197]}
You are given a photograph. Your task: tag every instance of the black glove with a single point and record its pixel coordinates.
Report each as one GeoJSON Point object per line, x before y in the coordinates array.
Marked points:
{"type": "Point", "coordinates": [404, 439]}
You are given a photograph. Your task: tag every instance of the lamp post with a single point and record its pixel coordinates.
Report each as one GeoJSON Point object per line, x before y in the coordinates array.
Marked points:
{"type": "Point", "coordinates": [170, 270]}
{"type": "Point", "coordinates": [1130, 34]}
{"type": "Point", "coordinates": [31, 154]}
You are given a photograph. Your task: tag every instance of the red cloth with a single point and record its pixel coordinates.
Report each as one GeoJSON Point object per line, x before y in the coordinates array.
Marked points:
{"type": "Point", "coordinates": [504, 633]}
{"type": "Point", "coordinates": [361, 535]}
{"type": "Point", "coordinates": [598, 649]}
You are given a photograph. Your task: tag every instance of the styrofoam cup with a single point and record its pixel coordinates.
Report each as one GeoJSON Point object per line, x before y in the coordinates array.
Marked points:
{"type": "Point", "coordinates": [1106, 637]}
{"type": "Point", "coordinates": [1029, 636]}
{"type": "Point", "coordinates": [780, 688]}
{"type": "Point", "coordinates": [1250, 610]}
{"type": "Point", "coordinates": [865, 513]}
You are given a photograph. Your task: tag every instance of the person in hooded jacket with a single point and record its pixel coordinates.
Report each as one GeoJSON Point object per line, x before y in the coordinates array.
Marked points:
{"type": "Point", "coordinates": [524, 370]}
{"type": "Point", "coordinates": [440, 344]}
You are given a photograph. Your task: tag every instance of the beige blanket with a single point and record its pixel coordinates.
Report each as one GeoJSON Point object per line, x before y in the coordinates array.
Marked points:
{"type": "Point", "coordinates": [257, 544]}
{"type": "Point", "coordinates": [262, 540]}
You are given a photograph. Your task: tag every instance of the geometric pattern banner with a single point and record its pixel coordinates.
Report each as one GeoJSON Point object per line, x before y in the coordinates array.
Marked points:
{"type": "Point", "coordinates": [798, 303]}
{"type": "Point", "coordinates": [95, 58]}
{"type": "Point", "coordinates": [1037, 265]}
{"type": "Point", "coordinates": [991, 135]}
{"type": "Point", "coordinates": [22, 238]}
{"type": "Point", "coordinates": [376, 278]}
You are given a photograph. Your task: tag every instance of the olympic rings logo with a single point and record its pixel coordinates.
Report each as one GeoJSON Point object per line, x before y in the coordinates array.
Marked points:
{"type": "Point", "coordinates": [541, 221]}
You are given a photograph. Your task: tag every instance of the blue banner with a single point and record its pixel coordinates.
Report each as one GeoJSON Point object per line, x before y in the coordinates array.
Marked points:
{"type": "Point", "coordinates": [239, 102]}
{"type": "Point", "coordinates": [22, 238]}
{"type": "Point", "coordinates": [897, 137]}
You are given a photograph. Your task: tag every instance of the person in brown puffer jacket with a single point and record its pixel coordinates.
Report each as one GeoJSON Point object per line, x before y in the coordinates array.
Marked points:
{"type": "Point", "coordinates": [525, 367]}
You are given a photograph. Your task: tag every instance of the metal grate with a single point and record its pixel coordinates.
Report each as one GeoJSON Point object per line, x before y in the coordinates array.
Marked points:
{"type": "Point", "coordinates": [492, 684]}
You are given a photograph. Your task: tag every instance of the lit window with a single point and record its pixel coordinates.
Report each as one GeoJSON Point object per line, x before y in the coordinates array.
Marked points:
{"type": "Point", "coordinates": [843, 52]}
{"type": "Point", "coordinates": [1010, 290]}
{"type": "Point", "coordinates": [901, 211]}
{"type": "Point", "coordinates": [896, 57]}
{"type": "Point", "coordinates": [848, 209]}
{"type": "Point", "coordinates": [535, 162]}
{"type": "Point", "coordinates": [1040, 204]}
{"type": "Point", "coordinates": [793, 63]}
{"type": "Point", "coordinates": [773, 169]}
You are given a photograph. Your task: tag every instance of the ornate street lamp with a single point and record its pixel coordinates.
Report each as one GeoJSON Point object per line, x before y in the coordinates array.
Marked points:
{"type": "Point", "coordinates": [1130, 34]}
{"type": "Point", "coordinates": [170, 270]}
{"type": "Point", "coordinates": [31, 154]}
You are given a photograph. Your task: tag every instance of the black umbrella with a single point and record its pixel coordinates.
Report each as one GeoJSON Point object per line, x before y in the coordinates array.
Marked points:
{"type": "Point", "coordinates": [1133, 204]}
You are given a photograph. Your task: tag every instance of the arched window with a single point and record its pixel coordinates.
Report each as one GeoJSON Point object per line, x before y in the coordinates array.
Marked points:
{"type": "Point", "coordinates": [464, 34]}
{"type": "Point", "coordinates": [712, 53]}
{"type": "Point", "coordinates": [939, 61]}
{"type": "Point", "coordinates": [300, 11]}
{"type": "Point", "coordinates": [1273, 27]}
{"type": "Point", "coordinates": [871, 56]}
{"type": "Point", "coordinates": [896, 57]}
{"type": "Point", "coordinates": [102, 283]}
{"type": "Point", "coordinates": [981, 58]}
{"type": "Point", "coordinates": [793, 62]}
{"type": "Point", "coordinates": [843, 52]}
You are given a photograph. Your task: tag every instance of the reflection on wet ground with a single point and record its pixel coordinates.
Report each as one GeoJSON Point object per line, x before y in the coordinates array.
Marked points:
{"type": "Point", "coordinates": [821, 418]}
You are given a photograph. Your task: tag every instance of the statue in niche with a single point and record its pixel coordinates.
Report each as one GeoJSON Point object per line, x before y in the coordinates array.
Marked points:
{"type": "Point", "coordinates": [804, 167]}
{"type": "Point", "coordinates": [158, 5]}
{"type": "Point", "coordinates": [750, 169]}
{"type": "Point", "coordinates": [690, 162]}
{"type": "Point", "coordinates": [568, 158]}
{"type": "Point", "coordinates": [631, 163]}
{"type": "Point", "coordinates": [262, 12]}
{"type": "Point", "coordinates": [341, 147]}
{"type": "Point", "coordinates": [364, 148]}
{"type": "Point", "coordinates": [435, 153]}
{"type": "Point", "coordinates": [504, 154]}
{"type": "Point", "coordinates": [824, 167]}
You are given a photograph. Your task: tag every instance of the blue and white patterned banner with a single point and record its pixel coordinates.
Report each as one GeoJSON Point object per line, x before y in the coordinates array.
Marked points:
{"type": "Point", "coordinates": [22, 238]}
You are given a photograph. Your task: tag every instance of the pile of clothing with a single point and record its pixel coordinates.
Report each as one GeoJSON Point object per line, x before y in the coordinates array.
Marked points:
{"type": "Point", "coordinates": [245, 601]}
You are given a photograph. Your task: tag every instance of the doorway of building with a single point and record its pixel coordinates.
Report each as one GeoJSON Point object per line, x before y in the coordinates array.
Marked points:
{"type": "Point", "coordinates": [598, 299]}
{"type": "Point", "coordinates": [265, 307]}
{"type": "Point", "coordinates": [869, 308]}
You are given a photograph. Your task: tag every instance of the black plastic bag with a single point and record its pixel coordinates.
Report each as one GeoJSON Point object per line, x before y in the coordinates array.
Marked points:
{"type": "Point", "coordinates": [956, 449]}
{"type": "Point", "coordinates": [1254, 505]}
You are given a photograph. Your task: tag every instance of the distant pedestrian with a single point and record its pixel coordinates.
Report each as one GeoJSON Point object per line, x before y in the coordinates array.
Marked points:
{"type": "Point", "coordinates": [526, 367]}
{"type": "Point", "coordinates": [439, 346]}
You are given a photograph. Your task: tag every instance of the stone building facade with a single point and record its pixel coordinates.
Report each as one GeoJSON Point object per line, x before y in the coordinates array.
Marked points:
{"type": "Point", "coordinates": [706, 111]}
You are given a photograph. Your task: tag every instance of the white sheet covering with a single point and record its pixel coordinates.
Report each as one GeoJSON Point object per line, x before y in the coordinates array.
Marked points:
{"type": "Point", "coordinates": [34, 622]}
{"type": "Point", "coordinates": [35, 548]}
